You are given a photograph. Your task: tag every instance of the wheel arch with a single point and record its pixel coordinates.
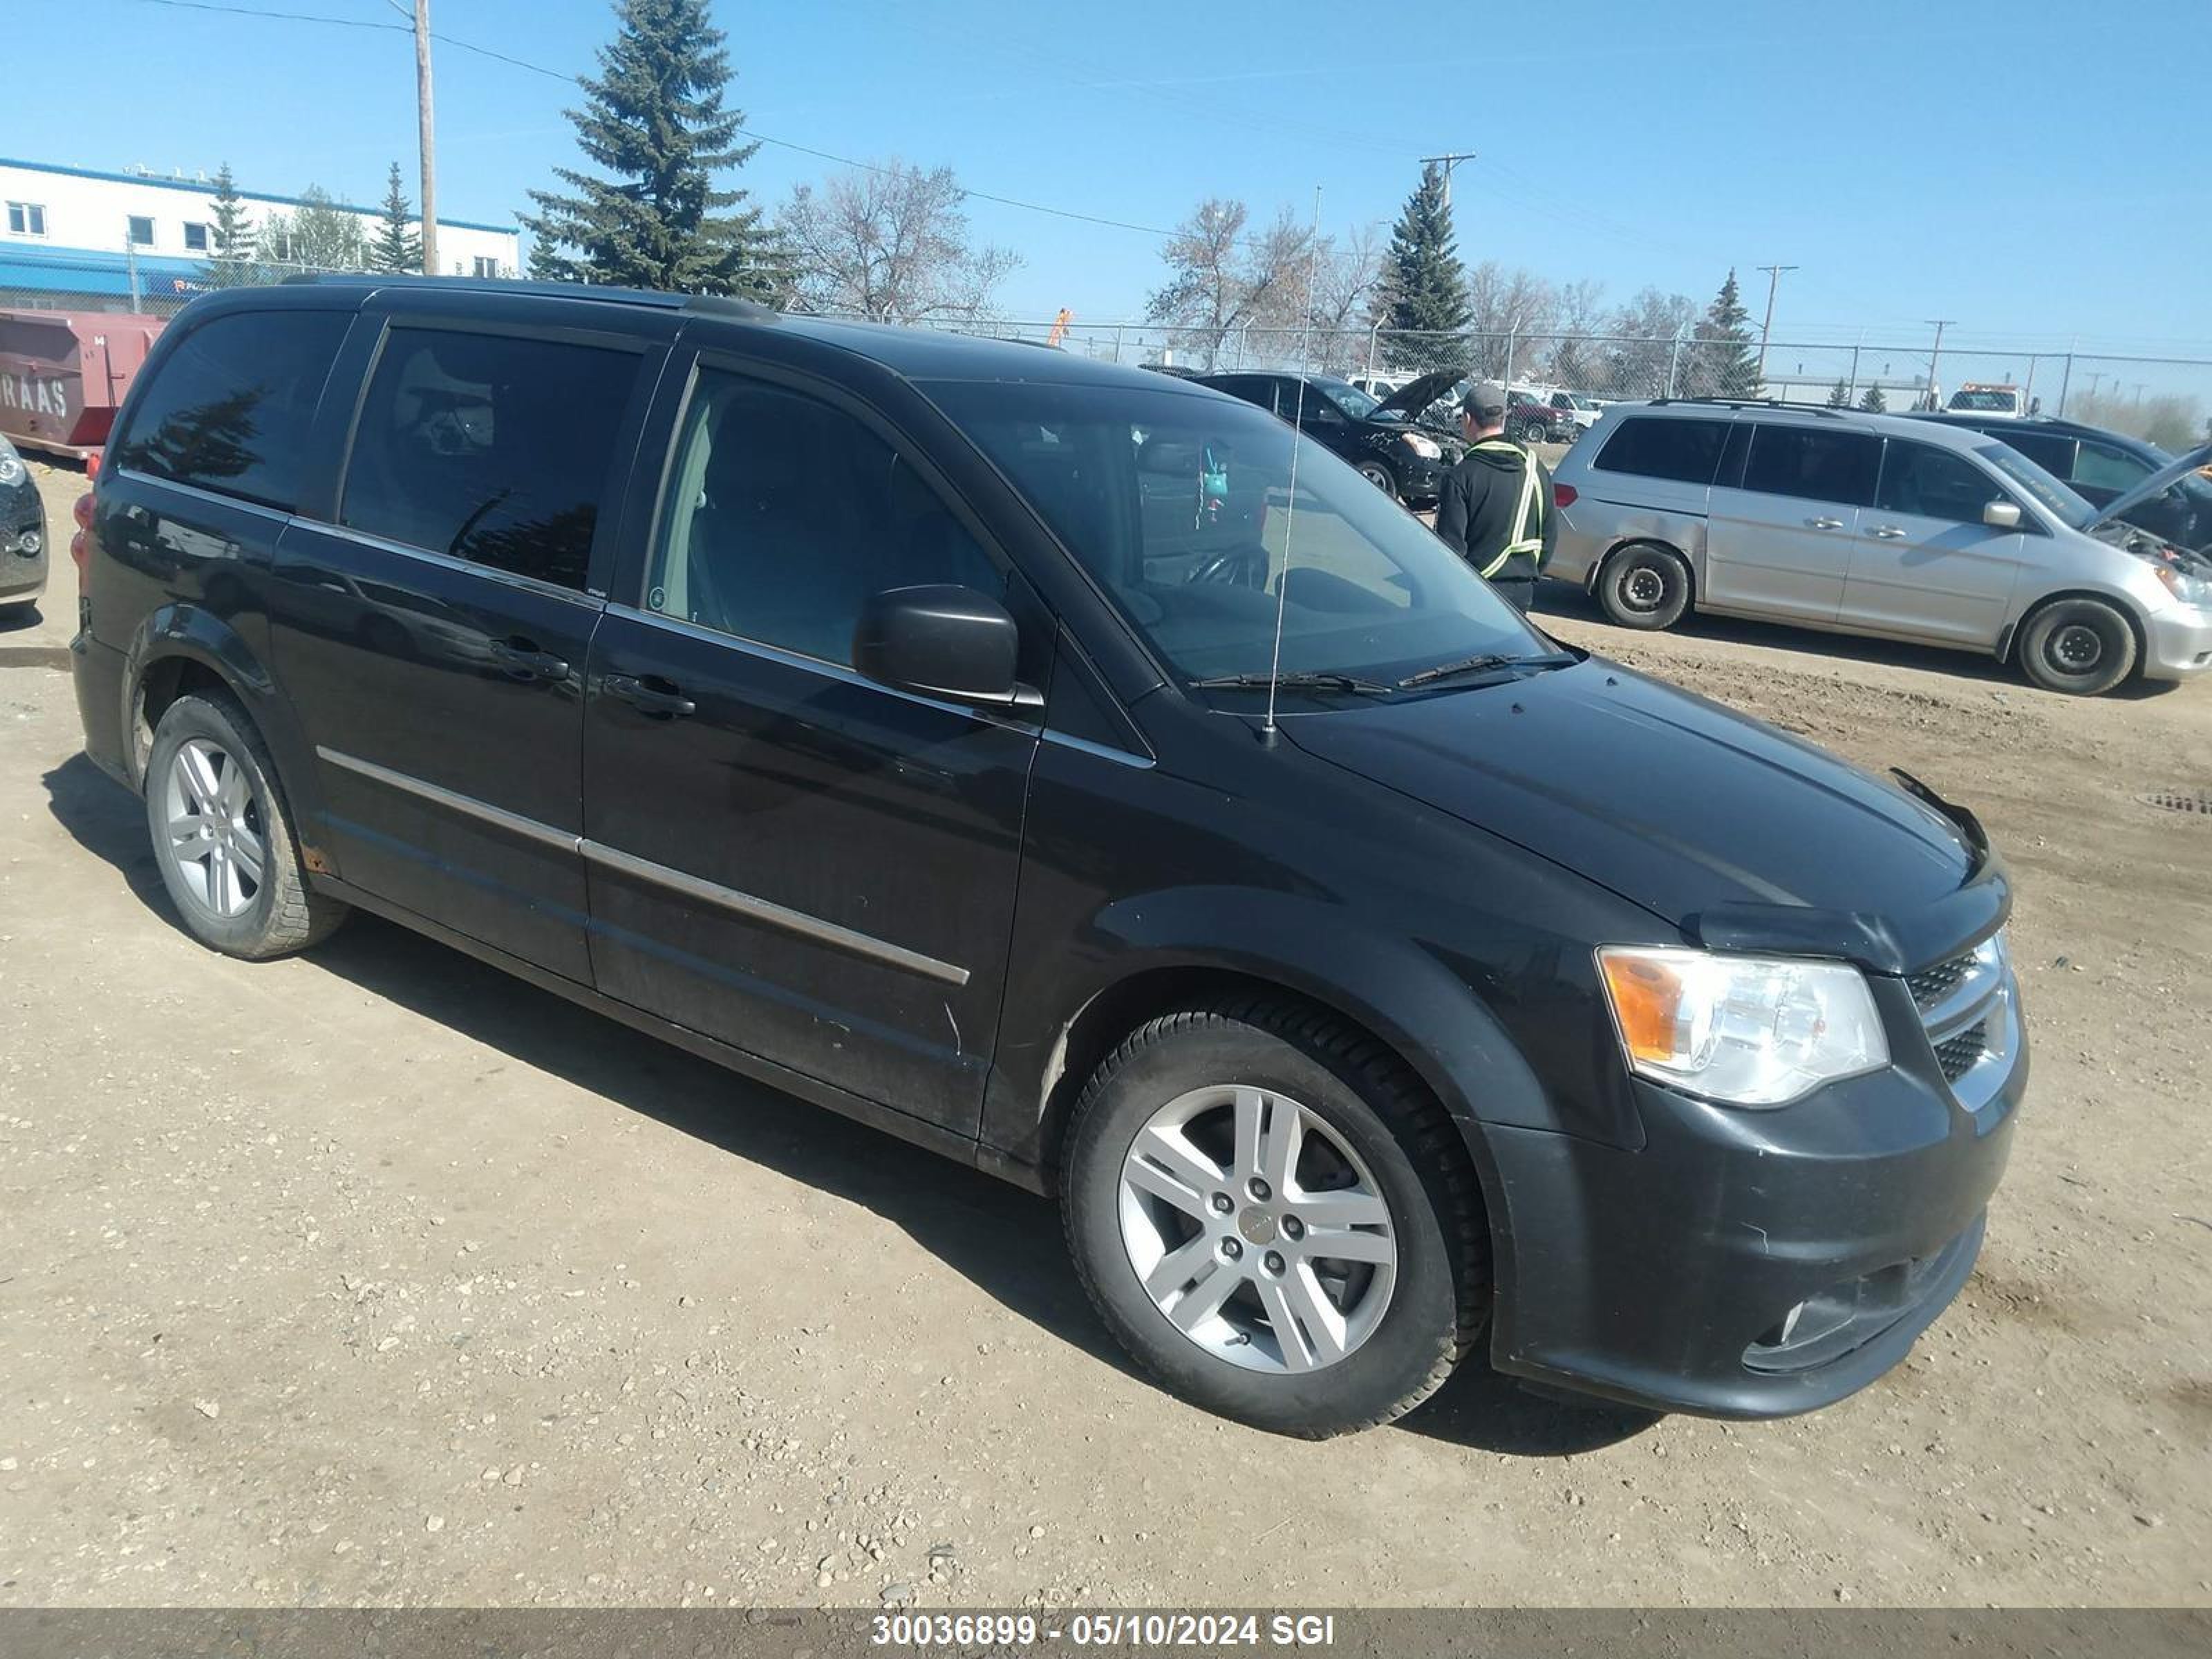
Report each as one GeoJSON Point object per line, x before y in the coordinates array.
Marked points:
{"type": "Point", "coordinates": [181, 648]}
{"type": "Point", "coordinates": [2007, 649]}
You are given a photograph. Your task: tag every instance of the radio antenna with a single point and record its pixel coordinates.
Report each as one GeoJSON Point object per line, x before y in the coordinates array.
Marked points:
{"type": "Point", "coordinates": [1297, 442]}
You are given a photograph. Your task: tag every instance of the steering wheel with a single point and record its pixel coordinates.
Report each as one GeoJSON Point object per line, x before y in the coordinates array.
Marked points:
{"type": "Point", "coordinates": [1240, 567]}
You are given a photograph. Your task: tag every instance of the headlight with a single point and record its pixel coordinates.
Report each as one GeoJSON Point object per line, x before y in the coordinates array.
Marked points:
{"type": "Point", "coordinates": [2190, 590]}
{"type": "Point", "coordinates": [1424, 447]}
{"type": "Point", "coordinates": [11, 470]}
{"type": "Point", "coordinates": [1749, 1030]}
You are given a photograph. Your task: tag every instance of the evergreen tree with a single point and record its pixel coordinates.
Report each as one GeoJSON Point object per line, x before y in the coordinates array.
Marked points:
{"type": "Point", "coordinates": [652, 117]}
{"type": "Point", "coordinates": [1839, 395]}
{"type": "Point", "coordinates": [1424, 285]}
{"type": "Point", "coordinates": [1726, 358]}
{"type": "Point", "coordinates": [397, 247]}
{"type": "Point", "coordinates": [1874, 402]}
{"type": "Point", "coordinates": [230, 236]}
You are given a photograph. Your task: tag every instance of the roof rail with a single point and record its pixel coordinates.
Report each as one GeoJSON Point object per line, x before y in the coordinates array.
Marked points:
{"type": "Point", "coordinates": [715, 305]}
{"type": "Point", "coordinates": [1762, 403]}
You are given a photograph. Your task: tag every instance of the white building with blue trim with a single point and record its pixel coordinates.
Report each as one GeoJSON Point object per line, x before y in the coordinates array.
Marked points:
{"type": "Point", "coordinates": [77, 238]}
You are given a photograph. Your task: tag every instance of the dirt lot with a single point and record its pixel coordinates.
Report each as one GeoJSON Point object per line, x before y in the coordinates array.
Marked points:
{"type": "Point", "coordinates": [377, 1276]}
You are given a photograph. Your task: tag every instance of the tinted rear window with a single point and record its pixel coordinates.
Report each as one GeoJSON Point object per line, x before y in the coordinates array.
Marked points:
{"type": "Point", "coordinates": [230, 407]}
{"type": "Point", "coordinates": [1651, 448]}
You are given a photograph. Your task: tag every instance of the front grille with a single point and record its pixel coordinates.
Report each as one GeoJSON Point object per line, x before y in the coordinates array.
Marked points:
{"type": "Point", "coordinates": [1957, 1055]}
{"type": "Point", "coordinates": [1931, 985]}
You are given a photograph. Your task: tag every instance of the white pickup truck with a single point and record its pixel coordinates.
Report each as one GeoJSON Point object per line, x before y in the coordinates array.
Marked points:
{"type": "Point", "coordinates": [2001, 401]}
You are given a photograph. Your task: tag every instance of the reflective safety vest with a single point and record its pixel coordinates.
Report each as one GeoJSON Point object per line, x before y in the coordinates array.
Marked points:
{"type": "Point", "coordinates": [1526, 536]}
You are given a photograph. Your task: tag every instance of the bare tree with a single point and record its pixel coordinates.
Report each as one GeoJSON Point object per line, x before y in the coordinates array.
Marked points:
{"type": "Point", "coordinates": [891, 243]}
{"type": "Point", "coordinates": [1347, 279]}
{"type": "Point", "coordinates": [1578, 315]}
{"type": "Point", "coordinates": [1221, 279]}
{"type": "Point", "coordinates": [1502, 304]}
{"type": "Point", "coordinates": [1639, 361]}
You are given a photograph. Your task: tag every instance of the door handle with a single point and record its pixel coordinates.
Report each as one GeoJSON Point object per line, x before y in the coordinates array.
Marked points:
{"type": "Point", "coordinates": [1826, 524]}
{"type": "Point", "coordinates": [522, 658]}
{"type": "Point", "coordinates": [653, 696]}
{"type": "Point", "coordinates": [1888, 532]}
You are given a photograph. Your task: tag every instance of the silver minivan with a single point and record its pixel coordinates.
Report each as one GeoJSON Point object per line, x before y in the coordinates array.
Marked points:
{"type": "Point", "coordinates": [1867, 523]}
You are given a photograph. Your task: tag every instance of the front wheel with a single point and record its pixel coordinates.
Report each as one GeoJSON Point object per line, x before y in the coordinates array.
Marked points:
{"type": "Point", "coordinates": [222, 838]}
{"type": "Point", "coordinates": [1275, 1218]}
{"type": "Point", "coordinates": [1379, 475]}
{"type": "Point", "coordinates": [2081, 646]}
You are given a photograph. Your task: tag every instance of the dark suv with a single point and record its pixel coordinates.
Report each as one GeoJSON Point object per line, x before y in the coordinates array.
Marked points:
{"type": "Point", "coordinates": [992, 747]}
{"type": "Point", "coordinates": [2102, 466]}
{"type": "Point", "coordinates": [1381, 438]}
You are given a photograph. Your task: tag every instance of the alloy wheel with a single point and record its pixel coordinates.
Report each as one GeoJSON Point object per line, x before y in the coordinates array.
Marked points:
{"type": "Point", "coordinates": [1256, 1229]}
{"type": "Point", "coordinates": [215, 828]}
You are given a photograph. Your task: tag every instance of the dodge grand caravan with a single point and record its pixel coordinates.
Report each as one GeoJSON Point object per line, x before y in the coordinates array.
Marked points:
{"type": "Point", "coordinates": [994, 747]}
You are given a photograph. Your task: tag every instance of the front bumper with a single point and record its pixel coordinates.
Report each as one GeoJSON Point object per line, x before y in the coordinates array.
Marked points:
{"type": "Point", "coordinates": [1665, 1277]}
{"type": "Point", "coordinates": [1421, 481]}
{"type": "Point", "coordinates": [2177, 643]}
{"type": "Point", "coordinates": [24, 555]}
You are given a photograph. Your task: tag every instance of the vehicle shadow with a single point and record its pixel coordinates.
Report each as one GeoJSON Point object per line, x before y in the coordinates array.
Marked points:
{"type": "Point", "coordinates": [1003, 1240]}
{"type": "Point", "coordinates": [1566, 601]}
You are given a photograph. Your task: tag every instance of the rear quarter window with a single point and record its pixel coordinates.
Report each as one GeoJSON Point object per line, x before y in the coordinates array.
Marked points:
{"type": "Point", "coordinates": [1651, 447]}
{"type": "Point", "coordinates": [230, 407]}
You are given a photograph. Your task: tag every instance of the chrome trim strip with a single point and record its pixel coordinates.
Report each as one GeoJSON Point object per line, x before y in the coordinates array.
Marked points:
{"type": "Point", "coordinates": [213, 498]}
{"type": "Point", "coordinates": [1103, 751]}
{"type": "Point", "coordinates": [468, 805]}
{"type": "Point", "coordinates": [773, 916]}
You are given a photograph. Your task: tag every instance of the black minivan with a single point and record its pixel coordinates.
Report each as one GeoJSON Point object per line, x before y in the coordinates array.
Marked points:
{"type": "Point", "coordinates": [1001, 749]}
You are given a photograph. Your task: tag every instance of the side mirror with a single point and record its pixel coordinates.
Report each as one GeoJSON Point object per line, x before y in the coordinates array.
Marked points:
{"type": "Point", "coordinates": [942, 641]}
{"type": "Point", "coordinates": [2002, 515]}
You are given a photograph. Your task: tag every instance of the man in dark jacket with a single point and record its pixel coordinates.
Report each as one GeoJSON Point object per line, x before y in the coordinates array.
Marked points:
{"type": "Point", "coordinates": [1496, 510]}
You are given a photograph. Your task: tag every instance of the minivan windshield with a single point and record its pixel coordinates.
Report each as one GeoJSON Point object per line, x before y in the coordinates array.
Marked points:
{"type": "Point", "coordinates": [2054, 497]}
{"type": "Point", "coordinates": [1179, 504]}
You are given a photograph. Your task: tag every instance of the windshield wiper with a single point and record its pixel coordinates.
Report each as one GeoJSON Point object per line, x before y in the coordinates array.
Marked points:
{"type": "Point", "coordinates": [1303, 679]}
{"type": "Point", "coordinates": [1487, 664]}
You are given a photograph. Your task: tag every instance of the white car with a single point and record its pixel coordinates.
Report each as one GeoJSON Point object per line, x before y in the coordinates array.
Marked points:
{"type": "Point", "coordinates": [1991, 402]}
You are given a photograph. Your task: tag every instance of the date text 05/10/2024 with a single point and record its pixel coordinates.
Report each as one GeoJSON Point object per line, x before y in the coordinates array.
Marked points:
{"type": "Point", "coordinates": [1106, 1630]}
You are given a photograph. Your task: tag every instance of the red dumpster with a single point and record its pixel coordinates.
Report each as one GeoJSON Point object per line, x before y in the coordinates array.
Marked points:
{"type": "Point", "coordinates": [63, 374]}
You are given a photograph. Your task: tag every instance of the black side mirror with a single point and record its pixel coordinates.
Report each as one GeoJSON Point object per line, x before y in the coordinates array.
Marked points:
{"type": "Point", "coordinates": [942, 641]}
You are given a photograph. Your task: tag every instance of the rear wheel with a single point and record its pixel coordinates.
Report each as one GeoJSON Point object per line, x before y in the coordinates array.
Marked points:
{"type": "Point", "coordinates": [221, 837]}
{"type": "Point", "coordinates": [1275, 1218]}
{"type": "Point", "coordinates": [2081, 647]}
{"type": "Point", "coordinates": [1379, 475]}
{"type": "Point", "coordinates": [1644, 586]}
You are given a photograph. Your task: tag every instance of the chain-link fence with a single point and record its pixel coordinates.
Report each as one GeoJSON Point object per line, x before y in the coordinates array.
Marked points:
{"type": "Point", "coordinates": [142, 285]}
{"type": "Point", "coordinates": [2165, 399]}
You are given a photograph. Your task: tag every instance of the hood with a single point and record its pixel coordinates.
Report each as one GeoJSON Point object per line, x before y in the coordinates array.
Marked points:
{"type": "Point", "coordinates": [2157, 484]}
{"type": "Point", "coordinates": [1728, 828]}
{"type": "Point", "coordinates": [1416, 395]}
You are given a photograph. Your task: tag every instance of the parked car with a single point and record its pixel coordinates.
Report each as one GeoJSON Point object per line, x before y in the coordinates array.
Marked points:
{"type": "Point", "coordinates": [977, 743]}
{"type": "Point", "coordinates": [1379, 437]}
{"type": "Point", "coordinates": [1992, 400]}
{"type": "Point", "coordinates": [1533, 417]}
{"type": "Point", "coordinates": [1378, 387]}
{"type": "Point", "coordinates": [2101, 466]}
{"type": "Point", "coordinates": [23, 534]}
{"type": "Point", "coordinates": [1880, 525]}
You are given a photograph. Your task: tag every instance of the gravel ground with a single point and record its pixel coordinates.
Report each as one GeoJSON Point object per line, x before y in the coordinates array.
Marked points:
{"type": "Point", "coordinates": [376, 1277]}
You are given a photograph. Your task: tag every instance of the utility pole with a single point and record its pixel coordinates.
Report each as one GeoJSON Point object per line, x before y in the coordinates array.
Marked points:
{"type": "Point", "coordinates": [429, 131]}
{"type": "Point", "coordinates": [1773, 282]}
{"type": "Point", "coordinates": [1448, 162]}
{"type": "Point", "coordinates": [1938, 324]}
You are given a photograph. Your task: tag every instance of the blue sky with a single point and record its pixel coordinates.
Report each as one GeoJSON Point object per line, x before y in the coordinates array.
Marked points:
{"type": "Point", "coordinates": [2026, 168]}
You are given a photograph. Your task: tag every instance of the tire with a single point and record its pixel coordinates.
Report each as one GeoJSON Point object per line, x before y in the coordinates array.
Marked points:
{"type": "Point", "coordinates": [1644, 586]}
{"type": "Point", "coordinates": [224, 902]}
{"type": "Point", "coordinates": [1375, 1149]}
{"type": "Point", "coordinates": [1379, 475]}
{"type": "Point", "coordinates": [2081, 647]}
